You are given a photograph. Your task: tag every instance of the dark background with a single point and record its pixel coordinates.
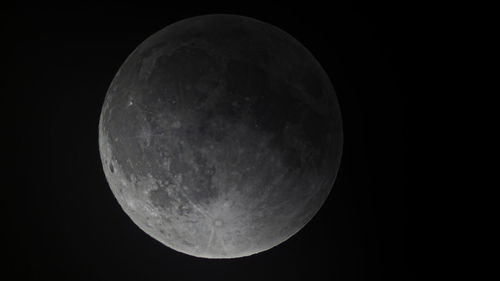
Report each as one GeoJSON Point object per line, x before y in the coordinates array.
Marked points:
{"type": "Point", "coordinates": [60, 219]}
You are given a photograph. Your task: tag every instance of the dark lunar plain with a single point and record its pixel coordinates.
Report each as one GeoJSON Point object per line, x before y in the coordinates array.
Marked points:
{"type": "Point", "coordinates": [60, 218]}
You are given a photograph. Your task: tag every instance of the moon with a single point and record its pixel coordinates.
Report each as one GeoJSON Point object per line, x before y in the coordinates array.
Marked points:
{"type": "Point", "coordinates": [220, 136]}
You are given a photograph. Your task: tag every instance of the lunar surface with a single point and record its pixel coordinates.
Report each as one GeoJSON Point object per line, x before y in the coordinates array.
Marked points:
{"type": "Point", "coordinates": [220, 136]}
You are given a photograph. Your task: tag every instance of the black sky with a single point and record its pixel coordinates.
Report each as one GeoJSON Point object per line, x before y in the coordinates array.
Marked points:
{"type": "Point", "coordinates": [61, 219]}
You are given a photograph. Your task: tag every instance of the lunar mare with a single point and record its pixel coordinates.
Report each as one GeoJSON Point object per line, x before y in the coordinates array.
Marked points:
{"type": "Point", "coordinates": [220, 136]}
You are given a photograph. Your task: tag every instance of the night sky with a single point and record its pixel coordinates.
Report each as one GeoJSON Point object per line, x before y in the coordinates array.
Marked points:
{"type": "Point", "coordinates": [60, 218]}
